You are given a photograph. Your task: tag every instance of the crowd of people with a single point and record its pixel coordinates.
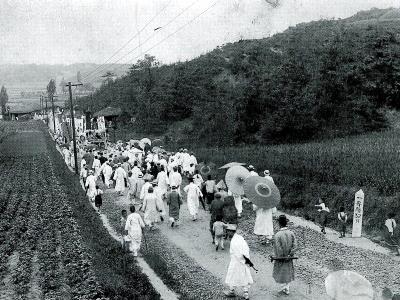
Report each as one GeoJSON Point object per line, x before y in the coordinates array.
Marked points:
{"type": "Point", "coordinates": [153, 180]}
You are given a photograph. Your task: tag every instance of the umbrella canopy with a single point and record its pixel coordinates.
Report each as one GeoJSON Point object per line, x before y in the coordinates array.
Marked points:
{"type": "Point", "coordinates": [343, 285]}
{"type": "Point", "coordinates": [232, 164]}
{"type": "Point", "coordinates": [262, 192]}
{"type": "Point", "coordinates": [235, 178]}
{"type": "Point", "coordinates": [141, 145]}
{"type": "Point", "coordinates": [146, 141]}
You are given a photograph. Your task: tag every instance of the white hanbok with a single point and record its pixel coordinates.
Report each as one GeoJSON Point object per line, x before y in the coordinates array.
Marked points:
{"type": "Point", "coordinates": [134, 225]}
{"type": "Point", "coordinates": [119, 177]}
{"type": "Point", "coordinates": [107, 172]}
{"type": "Point", "coordinates": [145, 190]}
{"type": "Point", "coordinates": [163, 181]}
{"type": "Point", "coordinates": [238, 272]}
{"type": "Point", "coordinates": [96, 166]}
{"type": "Point", "coordinates": [90, 184]}
{"type": "Point", "coordinates": [193, 194]}
{"type": "Point", "coordinates": [263, 224]}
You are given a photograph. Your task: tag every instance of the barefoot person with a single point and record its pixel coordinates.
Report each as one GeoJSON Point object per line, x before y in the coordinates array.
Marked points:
{"type": "Point", "coordinates": [285, 245]}
{"type": "Point", "coordinates": [238, 272]}
{"type": "Point", "coordinates": [134, 225]}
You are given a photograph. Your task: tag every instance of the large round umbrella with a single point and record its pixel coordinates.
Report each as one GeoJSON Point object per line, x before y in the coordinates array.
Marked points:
{"type": "Point", "coordinates": [232, 164]}
{"type": "Point", "coordinates": [262, 192]}
{"type": "Point", "coordinates": [344, 285]}
{"type": "Point", "coordinates": [235, 178]}
{"type": "Point", "coordinates": [146, 141]}
{"type": "Point", "coordinates": [221, 185]}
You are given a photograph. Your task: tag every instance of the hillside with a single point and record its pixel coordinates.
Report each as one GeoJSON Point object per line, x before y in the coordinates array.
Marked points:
{"type": "Point", "coordinates": [315, 80]}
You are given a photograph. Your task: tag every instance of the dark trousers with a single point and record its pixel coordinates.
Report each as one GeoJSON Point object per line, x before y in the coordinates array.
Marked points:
{"type": "Point", "coordinates": [210, 198]}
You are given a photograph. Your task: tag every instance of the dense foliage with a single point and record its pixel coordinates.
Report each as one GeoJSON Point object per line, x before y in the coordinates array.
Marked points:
{"type": "Point", "coordinates": [325, 78]}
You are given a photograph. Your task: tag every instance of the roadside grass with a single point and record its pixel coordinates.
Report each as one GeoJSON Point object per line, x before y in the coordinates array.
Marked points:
{"type": "Point", "coordinates": [107, 256]}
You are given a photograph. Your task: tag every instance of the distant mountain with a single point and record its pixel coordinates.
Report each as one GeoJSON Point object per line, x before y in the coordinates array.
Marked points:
{"type": "Point", "coordinates": [27, 81]}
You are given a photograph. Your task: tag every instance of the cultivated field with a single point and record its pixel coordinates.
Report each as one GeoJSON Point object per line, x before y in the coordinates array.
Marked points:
{"type": "Point", "coordinates": [333, 170]}
{"type": "Point", "coordinates": [52, 244]}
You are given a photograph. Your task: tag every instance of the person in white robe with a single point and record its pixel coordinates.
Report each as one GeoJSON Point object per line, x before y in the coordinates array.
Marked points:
{"type": "Point", "coordinates": [238, 203]}
{"type": "Point", "coordinates": [96, 166]}
{"type": "Point", "coordinates": [162, 181]}
{"type": "Point", "coordinates": [267, 175]}
{"type": "Point", "coordinates": [119, 177]}
{"type": "Point", "coordinates": [107, 172]}
{"type": "Point", "coordinates": [90, 186]}
{"type": "Point", "coordinates": [185, 162]}
{"type": "Point", "coordinates": [150, 208]}
{"type": "Point", "coordinates": [238, 274]}
{"type": "Point", "coordinates": [198, 179]}
{"type": "Point", "coordinates": [264, 226]}
{"type": "Point", "coordinates": [193, 193]}
{"type": "Point", "coordinates": [145, 189]}
{"type": "Point", "coordinates": [67, 156]}
{"type": "Point", "coordinates": [192, 163]}
{"type": "Point", "coordinates": [175, 179]}
{"type": "Point", "coordinates": [134, 225]}
{"type": "Point", "coordinates": [83, 163]}
{"type": "Point", "coordinates": [160, 199]}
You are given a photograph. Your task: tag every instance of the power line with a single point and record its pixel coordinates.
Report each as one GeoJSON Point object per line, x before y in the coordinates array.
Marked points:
{"type": "Point", "coordinates": [130, 40]}
{"type": "Point", "coordinates": [154, 34]}
{"type": "Point", "coordinates": [168, 36]}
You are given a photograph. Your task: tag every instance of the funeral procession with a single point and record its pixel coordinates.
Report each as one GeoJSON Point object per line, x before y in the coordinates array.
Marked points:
{"type": "Point", "coordinates": [200, 150]}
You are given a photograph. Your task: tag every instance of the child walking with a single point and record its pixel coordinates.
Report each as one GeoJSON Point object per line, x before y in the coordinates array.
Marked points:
{"type": "Point", "coordinates": [218, 228]}
{"type": "Point", "coordinates": [98, 200]}
{"type": "Point", "coordinates": [342, 216]}
{"type": "Point", "coordinates": [324, 211]}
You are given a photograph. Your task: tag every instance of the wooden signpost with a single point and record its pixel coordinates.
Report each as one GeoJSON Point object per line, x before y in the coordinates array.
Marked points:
{"type": "Point", "coordinates": [358, 214]}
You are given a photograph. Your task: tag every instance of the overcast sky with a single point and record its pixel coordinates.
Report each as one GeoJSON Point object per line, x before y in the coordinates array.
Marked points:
{"type": "Point", "coordinates": [70, 31]}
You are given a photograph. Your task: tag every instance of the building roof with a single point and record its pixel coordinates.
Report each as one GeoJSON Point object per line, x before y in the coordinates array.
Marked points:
{"type": "Point", "coordinates": [108, 112]}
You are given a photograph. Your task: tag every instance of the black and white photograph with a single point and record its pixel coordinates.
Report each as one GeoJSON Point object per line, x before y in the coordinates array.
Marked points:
{"type": "Point", "coordinates": [199, 149]}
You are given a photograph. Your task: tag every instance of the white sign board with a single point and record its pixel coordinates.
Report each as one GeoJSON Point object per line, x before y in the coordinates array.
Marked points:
{"type": "Point", "coordinates": [358, 213]}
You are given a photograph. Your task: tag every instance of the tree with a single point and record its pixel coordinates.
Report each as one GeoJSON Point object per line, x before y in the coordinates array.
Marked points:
{"type": "Point", "coordinates": [63, 84]}
{"type": "Point", "coordinates": [51, 88]}
{"type": "Point", "coordinates": [3, 100]}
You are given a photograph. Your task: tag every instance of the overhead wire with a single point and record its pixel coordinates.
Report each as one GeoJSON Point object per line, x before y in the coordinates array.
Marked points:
{"type": "Point", "coordinates": [167, 37]}
{"type": "Point", "coordinates": [128, 42]}
{"type": "Point", "coordinates": [149, 38]}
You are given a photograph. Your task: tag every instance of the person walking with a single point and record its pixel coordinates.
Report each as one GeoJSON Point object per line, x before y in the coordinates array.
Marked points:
{"type": "Point", "coordinates": [193, 193]}
{"type": "Point", "coordinates": [96, 166]}
{"type": "Point", "coordinates": [134, 225]}
{"type": "Point", "coordinates": [216, 209]}
{"type": "Point", "coordinates": [162, 181]}
{"type": "Point", "coordinates": [150, 209]}
{"type": "Point", "coordinates": [218, 228]}
{"type": "Point", "coordinates": [98, 200]}
{"type": "Point", "coordinates": [119, 177]}
{"type": "Point", "coordinates": [263, 226]}
{"type": "Point", "coordinates": [174, 201]}
{"type": "Point", "coordinates": [90, 186]}
{"type": "Point", "coordinates": [285, 245]}
{"type": "Point", "coordinates": [323, 214]}
{"type": "Point", "coordinates": [238, 274]}
{"type": "Point", "coordinates": [342, 216]}
{"type": "Point", "coordinates": [211, 188]}
{"type": "Point", "coordinates": [107, 172]}
{"type": "Point", "coordinates": [390, 226]}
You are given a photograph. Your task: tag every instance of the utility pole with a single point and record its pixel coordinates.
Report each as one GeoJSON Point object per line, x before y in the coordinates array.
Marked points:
{"type": "Point", "coordinates": [47, 117]}
{"type": "Point", "coordinates": [52, 110]}
{"type": "Point", "coordinates": [70, 85]}
{"type": "Point", "coordinates": [40, 105]}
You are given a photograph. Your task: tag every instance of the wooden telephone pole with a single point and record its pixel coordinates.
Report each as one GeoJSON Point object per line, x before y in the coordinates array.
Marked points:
{"type": "Point", "coordinates": [70, 85]}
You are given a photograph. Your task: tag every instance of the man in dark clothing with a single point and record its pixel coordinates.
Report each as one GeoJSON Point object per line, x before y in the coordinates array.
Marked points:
{"type": "Point", "coordinates": [216, 209]}
{"type": "Point", "coordinates": [102, 158]}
